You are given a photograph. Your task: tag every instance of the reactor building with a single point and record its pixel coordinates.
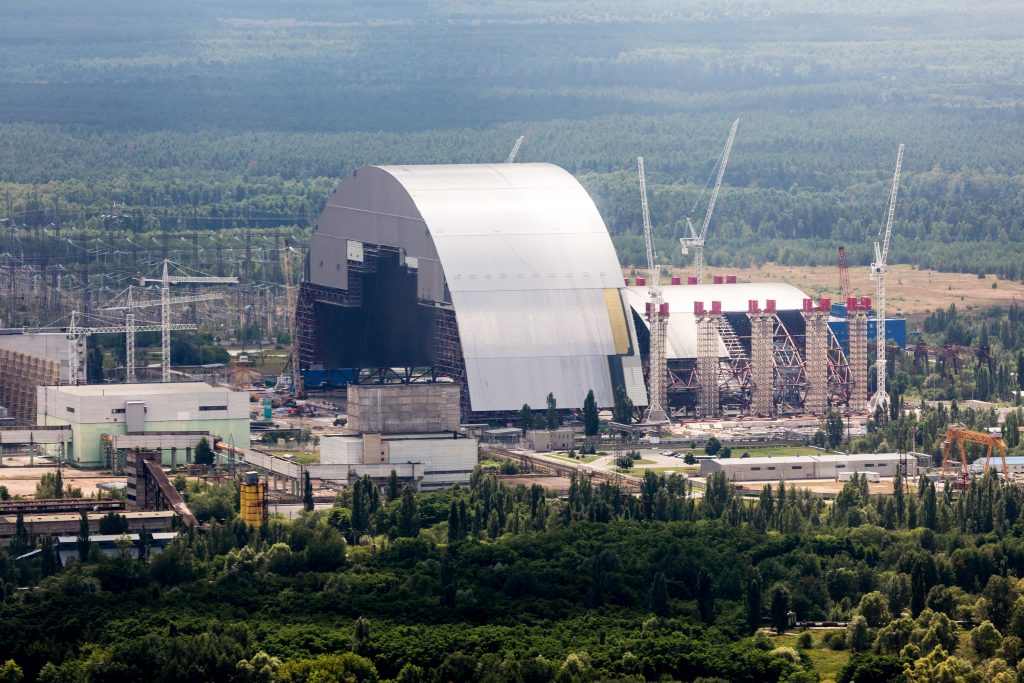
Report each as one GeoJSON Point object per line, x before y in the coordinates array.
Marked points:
{"type": "Point", "coordinates": [503, 279]}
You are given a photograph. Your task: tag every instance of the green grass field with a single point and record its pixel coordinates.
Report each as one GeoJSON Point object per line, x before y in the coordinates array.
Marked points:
{"type": "Point", "coordinates": [682, 469]}
{"type": "Point", "coordinates": [579, 459]}
{"type": "Point", "coordinates": [827, 661]}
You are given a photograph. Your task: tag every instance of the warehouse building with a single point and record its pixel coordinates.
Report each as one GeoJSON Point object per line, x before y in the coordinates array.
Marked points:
{"type": "Point", "coordinates": [796, 467]}
{"type": "Point", "coordinates": [1014, 465]}
{"type": "Point", "coordinates": [171, 417]}
{"type": "Point", "coordinates": [430, 461]}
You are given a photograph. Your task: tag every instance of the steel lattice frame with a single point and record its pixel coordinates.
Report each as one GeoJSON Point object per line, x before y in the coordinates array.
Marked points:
{"type": "Point", "coordinates": [762, 363]}
{"type": "Point", "coordinates": [838, 370]}
{"type": "Point", "coordinates": [790, 373]}
{"type": "Point", "coordinates": [735, 385]}
{"type": "Point", "coordinates": [657, 374]}
{"type": "Point", "coordinates": [858, 345]}
{"type": "Point", "coordinates": [707, 363]}
{"type": "Point", "coordinates": [816, 361]}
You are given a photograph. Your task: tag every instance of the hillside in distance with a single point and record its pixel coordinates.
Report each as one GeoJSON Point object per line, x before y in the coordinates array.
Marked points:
{"type": "Point", "coordinates": [202, 106]}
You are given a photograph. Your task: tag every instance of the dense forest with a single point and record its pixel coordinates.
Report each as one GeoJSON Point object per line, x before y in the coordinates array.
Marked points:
{"type": "Point", "coordinates": [494, 583]}
{"type": "Point", "coordinates": [210, 132]}
{"type": "Point", "coordinates": [244, 113]}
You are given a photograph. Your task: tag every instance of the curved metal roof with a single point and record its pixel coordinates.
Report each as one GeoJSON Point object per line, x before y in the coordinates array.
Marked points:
{"type": "Point", "coordinates": [527, 263]}
{"type": "Point", "coordinates": [682, 325]}
{"type": "Point", "coordinates": [502, 227]}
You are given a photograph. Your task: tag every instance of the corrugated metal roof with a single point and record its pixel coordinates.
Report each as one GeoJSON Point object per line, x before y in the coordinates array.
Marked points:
{"type": "Point", "coordinates": [508, 227]}
{"type": "Point", "coordinates": [797, 459]}
{"type": "Point", "coordinates": [527, 258]}
{"type": "Point", "coordinates": [140, 389]}
{"type": "Point", "coordinates": [682, 325]}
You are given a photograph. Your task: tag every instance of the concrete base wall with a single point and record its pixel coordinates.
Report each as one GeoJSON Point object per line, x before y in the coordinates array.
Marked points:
{"type": "Point", "coordinates": [403, 408]}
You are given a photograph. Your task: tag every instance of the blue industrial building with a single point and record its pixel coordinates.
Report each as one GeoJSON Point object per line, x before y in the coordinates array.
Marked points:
{"type": "Point", "coordinates": [895, 328]}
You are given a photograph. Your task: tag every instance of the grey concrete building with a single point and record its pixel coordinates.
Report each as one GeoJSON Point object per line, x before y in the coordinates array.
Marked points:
{"type": "Point", "coordinates": [798, 467]}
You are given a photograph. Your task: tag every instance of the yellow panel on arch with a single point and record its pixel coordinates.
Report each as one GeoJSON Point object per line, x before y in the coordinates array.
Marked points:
{"type": "Point", "coordinates": [617, 319]}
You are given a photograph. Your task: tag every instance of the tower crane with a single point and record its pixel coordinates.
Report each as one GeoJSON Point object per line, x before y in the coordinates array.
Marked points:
{"type": "Point", "coordinates": [290, 302]}
{"type": "Point", "coordinates": [76, 332]}
{"type": "Point", "coordinates": [165, 281]}
{"type": "Point", "coordinates": [515, 149]}
{"type": "Point", "coordinates": [656, 413]}
{"type": "Point", "coordinates": [878, 268]}
{"type": "Point", "coordinates": [844, 273]}
{"type": "Point", "coordinates": [129, 322]}
{"type": "Point", "coordinates": [696, 241]}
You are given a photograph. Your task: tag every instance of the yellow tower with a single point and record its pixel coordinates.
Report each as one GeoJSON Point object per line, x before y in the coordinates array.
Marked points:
{"type": "Point", "coordinates": [253, 500]}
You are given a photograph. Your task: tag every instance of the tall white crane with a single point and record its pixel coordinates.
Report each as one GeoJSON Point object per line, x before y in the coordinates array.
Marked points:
{"type": "Point", "coordinates": [291, 302]}
{"type": "Point", "coordinates": [515, 149]}
{"type": "Point", "coordinates": [656, 413]}
{"type": "Point", "coordinates": [878, 269]}
{"type": "Point", "coordinates": [696, 241]}
{"type": "Point", "coordinates": [129, 322]}
{"type": "Point", "coordinates": [75, 333]}
{"type": "Point", "coordinates": [165, 281]}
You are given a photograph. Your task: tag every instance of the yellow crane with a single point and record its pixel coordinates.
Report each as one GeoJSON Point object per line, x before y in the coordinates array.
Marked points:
{"type": "Point", "coordinates": [959, 435]}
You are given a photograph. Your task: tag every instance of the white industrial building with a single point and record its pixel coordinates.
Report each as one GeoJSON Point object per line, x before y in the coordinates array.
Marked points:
{"type": "Point", "coordinates": [501, 276]}
{"type": "Point", "coordinates": [432, 461]}
{"type": "Point", "coordinates": [171, 417]}
{"type": "Point", "coordinates": [1014, 465]}
{"type": "Point", "coordinates": [796, 467]}
{"type": "Point", "coordinates": [681, 337]}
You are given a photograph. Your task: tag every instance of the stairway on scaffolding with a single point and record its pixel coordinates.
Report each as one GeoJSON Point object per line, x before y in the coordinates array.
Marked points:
{"type": "Point", "coordinates": [732, 343]}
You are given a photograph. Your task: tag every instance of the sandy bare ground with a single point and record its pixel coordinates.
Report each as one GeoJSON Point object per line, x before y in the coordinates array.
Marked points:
{"type": "Point", "coordinates": [21, 481]}
{"type": "Point", "coordinates": [826, 487]}
{"type": "Point", "coordinates": [557, 484]}
{"type": "Point", "coordinates": [911, 292]}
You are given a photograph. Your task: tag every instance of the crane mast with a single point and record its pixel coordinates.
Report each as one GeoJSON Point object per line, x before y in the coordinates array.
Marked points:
{"type": "Point", "coordinates": [75, 332]}
{"type": "Point", "coordinates": [165, 281]}
{"type": "Point", "coordinates": [291, 298]}
{"type": "Point", "coordinates": [878, 270]}
{"type": "Point", "coordinates": [515, 149]}
{"type": "Point", "coordinates": [696, 241]}
{"type": "Point", "coordinates": [129, 322]}
{"type": "Point", "coordinates": [844, 273]}
{"type": "Point", "coordinates": [658, 318]}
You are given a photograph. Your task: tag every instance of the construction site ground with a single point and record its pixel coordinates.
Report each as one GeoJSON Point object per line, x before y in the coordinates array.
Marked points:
{"type": "Point", "coordinates": [910, 292]}
{"type": "Point", "coordinates": [20, 478]}
{"type": "Point", "coordinates": [825, 487]}
{"type": "Point", "coordinates": [666, 464]}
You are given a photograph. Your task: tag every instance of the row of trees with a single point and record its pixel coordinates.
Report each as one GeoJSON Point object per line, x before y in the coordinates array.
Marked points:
{"type": "Point", "coordinates": [512, 568]}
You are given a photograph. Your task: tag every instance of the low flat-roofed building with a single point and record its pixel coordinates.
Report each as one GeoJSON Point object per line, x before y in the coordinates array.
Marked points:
{"type": "Point", "coordinates": [112, 544]}
{"type": "Point", "coordinates": [505, 436]}
{"type": "Point", "coordinates": [550, 439]}
{"type": "Point", "coordinates": [1014, 465]}
{"type": "Point", "coordinates": [824, 466]}
{"type": "Point", "coordinates": [68, 522]}
{"type": "Point", "coordinates": [433, 461]}
{"type": "Point", "coordinates": [171, 417]}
